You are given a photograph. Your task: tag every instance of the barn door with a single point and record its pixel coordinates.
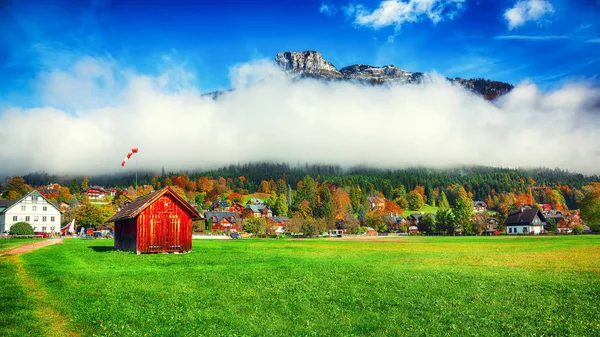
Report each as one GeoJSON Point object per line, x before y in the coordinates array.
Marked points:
{"type": "Point", "coordinates": [172, 231]}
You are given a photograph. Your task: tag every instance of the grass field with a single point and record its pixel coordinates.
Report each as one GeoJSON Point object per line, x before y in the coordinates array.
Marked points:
{"type": "Point", "coordinates": [459, 286]}
{"type": "Point", "coordinates": [426, 209]}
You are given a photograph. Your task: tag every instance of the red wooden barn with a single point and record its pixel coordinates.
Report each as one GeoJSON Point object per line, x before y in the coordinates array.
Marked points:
{"type": "Point", "coordinates": [160, 221]}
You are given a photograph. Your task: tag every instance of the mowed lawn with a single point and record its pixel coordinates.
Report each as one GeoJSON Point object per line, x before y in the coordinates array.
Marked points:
{"type": "Point", "coordinates": [414, 286]}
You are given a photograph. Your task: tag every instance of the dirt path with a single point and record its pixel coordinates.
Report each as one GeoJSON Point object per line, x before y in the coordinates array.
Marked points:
{"type": "Point", "coordinates": [56, 324]}
{"type": "Point", "coordinates": [29, 247]}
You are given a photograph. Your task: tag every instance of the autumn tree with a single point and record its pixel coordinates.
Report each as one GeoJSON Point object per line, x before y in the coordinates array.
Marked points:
{"type": "Point", "coordinates": [307, 190]}
{"type": "Point", "coordinates": [14, 188]}
{"type": "Point", "coordinates": [415, 201]}
{"type": "Point", "coordinates": [590, 207]}
{"type": "Point", "coordinates": [341, 202]}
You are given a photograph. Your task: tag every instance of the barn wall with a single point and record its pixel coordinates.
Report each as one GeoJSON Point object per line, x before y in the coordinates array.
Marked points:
{"type": "Point", "coordinates": [125, 235]}
{"type": "Point", "coordinates": [164, 226]}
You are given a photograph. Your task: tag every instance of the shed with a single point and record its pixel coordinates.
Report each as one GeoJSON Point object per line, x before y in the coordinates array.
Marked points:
{"type": "Point", "coordinates": [160, 221]}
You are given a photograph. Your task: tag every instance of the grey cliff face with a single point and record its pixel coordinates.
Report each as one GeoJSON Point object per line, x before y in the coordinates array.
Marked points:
{"type": "Point", "coordinates": [312, 64]}
{"type": "Point", "coordinates": [306, 62]}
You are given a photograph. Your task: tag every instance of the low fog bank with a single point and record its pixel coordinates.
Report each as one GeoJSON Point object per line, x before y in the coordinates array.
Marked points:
{"type": "Point", "coordinates": [95, 112]}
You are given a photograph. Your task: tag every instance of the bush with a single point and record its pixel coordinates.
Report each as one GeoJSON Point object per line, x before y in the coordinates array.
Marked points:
{"type": "Point", "coordinates": [21, 228]}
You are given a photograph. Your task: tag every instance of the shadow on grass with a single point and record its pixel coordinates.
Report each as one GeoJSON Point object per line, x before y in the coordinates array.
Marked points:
{"type": "Point", "coordinates": [102, 249]}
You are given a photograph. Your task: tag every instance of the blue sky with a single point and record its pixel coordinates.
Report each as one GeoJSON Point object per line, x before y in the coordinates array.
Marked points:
{"type": "Point", "coordinates": [549, 42]}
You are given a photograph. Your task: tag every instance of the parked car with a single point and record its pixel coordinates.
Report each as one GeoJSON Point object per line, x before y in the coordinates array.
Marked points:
{"type": "Point", "coordinates": [235, 235]}
{"type": "Point", "coordinates": [246, 235]}
{"type": "Point", "coordinates": [41, 234]}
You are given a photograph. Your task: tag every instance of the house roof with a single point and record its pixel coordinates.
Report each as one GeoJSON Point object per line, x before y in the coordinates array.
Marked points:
{"type": "Point", "coordinates": [221, 215]}
{"type": "Point", "coordinates": [132, 209]}
{"type": "Point", "coordinates": [256, 208]}
{"type": "Point", "coordinates": [10, 203]}
{"type": "Point", "coordinates": [279, 218]}
{"type": "Point", "coordinates": [4, 204]}
{"type": "Point", "coordinates": [479, 203]}
{"type": "Point", "coordinates": [523, 216]}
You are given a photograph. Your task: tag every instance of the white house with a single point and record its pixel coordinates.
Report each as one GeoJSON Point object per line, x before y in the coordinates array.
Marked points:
{"type": "Point", "coordinates": [525, 221]}
{"type": "Point", "coordinates": [34, 209]}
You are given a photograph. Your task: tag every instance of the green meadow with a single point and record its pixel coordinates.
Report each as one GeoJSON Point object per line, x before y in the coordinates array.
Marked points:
{"type": "Point", "coordinates": [413, 286]}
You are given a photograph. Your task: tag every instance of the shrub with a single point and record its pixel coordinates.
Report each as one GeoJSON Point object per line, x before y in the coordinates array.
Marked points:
{"type": "Point", "coordinates": [21, 228]}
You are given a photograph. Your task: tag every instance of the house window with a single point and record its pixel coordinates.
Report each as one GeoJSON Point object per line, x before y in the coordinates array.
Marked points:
{"type": "Point", "coordinates": [34, 208]}
{"type": "Point", "coordinates": [27, 218]}
{"type": "Point", "coordinates": [15, 218]}
{"type": "Point", "coordinates": [44, 219]}
{"type": "Point", "coordinates": [509, 230]}
{"type": "Point", "coordinates": [34, 198]}
{"type": "Point", "coordinates": [36, 218]}
{"type": "Point", "coordinates": [43, 228]}
{"type": "Point", "coordinates": [524, 229]}
{"type": "Point", "coordinates": [51, 219]}
{"type": "Point", "coordinates": [52, 228]}
{"type": "Point", "coordinates": [23, 208]}
{"type": "Point", "coordinates": [45, 208]}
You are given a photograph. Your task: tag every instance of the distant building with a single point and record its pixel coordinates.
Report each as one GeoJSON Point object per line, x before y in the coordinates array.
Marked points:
{"type": "Point", "coordinates": [222, 221]}
{"type": "Point", "coordinates": [95, 193]}
{"type": "Point", "coordinates": [259, 211]}
{"type": "Point", "coordinates": [34, 209]}
{"type": "Point", "coordinates": [376, 203]}
{"type": "Point", "coordinates": [479, 206]}
{"type": "Point", "coordinates": [525, 221]}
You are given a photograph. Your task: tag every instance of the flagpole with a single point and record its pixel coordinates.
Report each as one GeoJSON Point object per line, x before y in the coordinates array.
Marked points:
{"type": "Point", "coordinates": [136, 174]}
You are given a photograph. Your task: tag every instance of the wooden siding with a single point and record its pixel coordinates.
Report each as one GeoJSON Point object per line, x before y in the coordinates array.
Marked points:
{"type": "Point", "coordinates": [164, 226]}
{"type": "Point", "coordinates": [125, 235]}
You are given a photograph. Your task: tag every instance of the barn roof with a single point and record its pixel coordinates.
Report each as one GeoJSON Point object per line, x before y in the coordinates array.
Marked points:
{"type": "Point", "coordinates": [132, 209]}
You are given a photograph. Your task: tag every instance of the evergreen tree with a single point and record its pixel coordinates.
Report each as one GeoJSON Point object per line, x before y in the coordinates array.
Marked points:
{"type": "Point", "coordinates": [74, 188]}
{"type": "Point", "coordinates": [362, 214]}
{"type": "Point", "coordinates": [430, 196]}
{"type": "Point", "coordinates": [443, 202]}
{"type": "Point", "coordinates": [463, 211]}
{"type": "Point", "coordinates": [326, 208]}
{"type": "Point", "coordinates": [308, 192]}
{"type": "Point", "coordinates": [85, 184]}
{"type": "Point", "coordinates": [281, 206]}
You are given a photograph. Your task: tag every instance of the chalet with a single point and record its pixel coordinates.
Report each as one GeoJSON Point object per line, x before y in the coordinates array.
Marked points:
{"type": "Point", "coordinates": [95, 193]}
{"type": "Point", "coordinates": [546, 208]}
{"type": "Point", "coordinates": [525, 221]}
{"type": "Point", "coordinates": [237, 208]}
{"type": "Point", "coordinates": [218, 205]}
{"type": "Point", "coordinates": [63, 206]}
{"type": "Point", "coordinates": [371, 231]}
{"type": "Point", "coordinates": [50, 189]}
{"type": "Point", "coordinates": [112, 192]}
{"type": "Point", "coordinates": [222, 221]}
{"type": "Point", "coordinates": [479, 206]}
{"type": "Point", "coordinates": [556, 215]}
{"type": "Point", "coordinates": [376, 203]}
{"type": "Point", "coordinates": [413, 219]}
{"type": "Point", "coordinates": [160, 221]}
{"type": "Point", "coordinates": [34, 209]}
{"type": "Point", "coordinates": [278, 224]}
{"type": "Point", "coordinates": [255, 201]}
{"type": "Point", "coordinates": [259, 211]}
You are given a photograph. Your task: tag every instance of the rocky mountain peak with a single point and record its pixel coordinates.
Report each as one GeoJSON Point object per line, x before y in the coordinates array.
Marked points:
{"type": "Point", "coordinates": [306, 62]}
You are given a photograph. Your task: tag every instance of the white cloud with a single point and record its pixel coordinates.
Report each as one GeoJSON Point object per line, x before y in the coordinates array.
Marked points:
{"type": "Point", "coordinates": [391, 39]}
{"type": "Point", "coordinates": [527, 10]}
{"type": "Point", "coordinates": [531, 37]}
{"type": "Point", "coordinates": [593, 40]}
{"type": "Point", "coordinates": [327, 9]}
{"type": "Point", "coordinates": [270, 117]}
{"type": "Point", "coordinates": [398, 12]}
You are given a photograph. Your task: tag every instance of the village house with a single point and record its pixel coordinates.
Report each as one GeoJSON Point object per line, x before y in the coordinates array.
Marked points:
{"type": "Point", "coordinates": [222, 221]}
{"type": "Point", "coordinates": [525, 221]}
{"type": "Point", "coordinates": [277, 224]}
{"type": "Point", "coordinates": [376, 203]}
{"type": "Point", "coordinates": [160, 221]}
{"type": "Point", "coordinates": [34, 209]}
{"type": "Point", "coordinates": [50, 189]}
{"type": "Point", "coordinates": [95, 193]}
{"type": "Point", "coordinates": [479, 206]}
{"type": "Point", "coordinates": [237, 208]}
{"type": "Point", "coordinates": [259, 211]}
